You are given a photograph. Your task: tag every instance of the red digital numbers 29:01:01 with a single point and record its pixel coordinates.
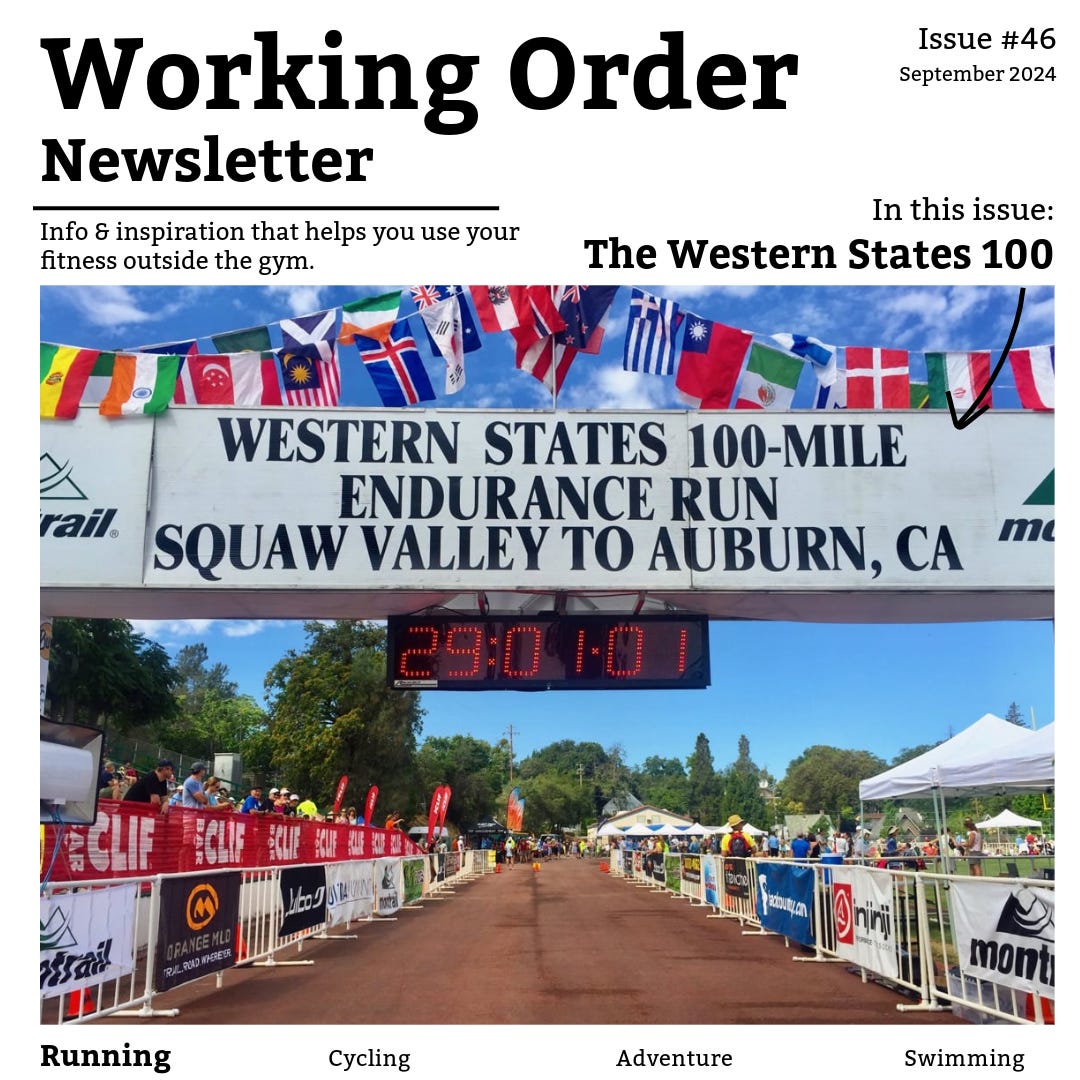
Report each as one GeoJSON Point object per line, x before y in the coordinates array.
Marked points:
{"type": "Point", "coordinates": [547, 652]}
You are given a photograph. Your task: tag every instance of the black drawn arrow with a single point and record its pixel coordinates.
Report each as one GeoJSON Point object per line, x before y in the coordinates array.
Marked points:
{"type": "Point", "coordinates": [974, 412]}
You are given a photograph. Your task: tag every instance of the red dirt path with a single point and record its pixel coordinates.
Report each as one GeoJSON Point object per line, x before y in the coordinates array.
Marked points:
{"type": "Point", "coordinates": [567, 945]}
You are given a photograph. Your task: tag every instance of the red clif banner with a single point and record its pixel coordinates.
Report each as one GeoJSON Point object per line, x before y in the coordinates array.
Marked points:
{"type": "Point", "coordinates": [433, 814]}
{"type": "Point", "coordinates": [369, 803]}
{"type": "Point", "coordinates": [340, 795]}
{"type": "Point", "coordinates": [444, 807]}
{"type": "Point", "coordinates": [134, 840]}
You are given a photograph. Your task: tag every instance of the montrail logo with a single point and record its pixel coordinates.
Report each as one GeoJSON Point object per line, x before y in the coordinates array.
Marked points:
{"type": "Point", "coordinates": [56, 482]}
{"type": "Point", "coordinates": [778, 902]}
{"type": "Point", "coordinates": [1033, 528]}
{"type": "Point", "coordinates": [1026, 914]}
{"type": "Point", "coordinates": [1029, 914]}
{"type": "Point", "coordinates": [55, 931]}
{"type": "Point", "coordinates": [57, 485]}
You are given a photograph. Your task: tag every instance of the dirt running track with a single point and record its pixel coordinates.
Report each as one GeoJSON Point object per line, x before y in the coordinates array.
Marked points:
{"type": "Point", "coordinates": [567, 945]}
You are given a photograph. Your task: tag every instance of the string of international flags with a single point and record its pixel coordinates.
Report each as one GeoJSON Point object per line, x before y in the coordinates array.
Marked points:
{"type": "Point", "coordinates": [715, 366]}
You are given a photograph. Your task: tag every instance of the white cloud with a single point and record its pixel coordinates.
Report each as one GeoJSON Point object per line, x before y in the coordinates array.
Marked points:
{"type": "Point", "coordinates": [301, 299]}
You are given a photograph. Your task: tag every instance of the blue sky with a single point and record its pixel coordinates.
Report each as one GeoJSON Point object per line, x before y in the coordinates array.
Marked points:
{"type": "Point", "coordinates": [786, 686]}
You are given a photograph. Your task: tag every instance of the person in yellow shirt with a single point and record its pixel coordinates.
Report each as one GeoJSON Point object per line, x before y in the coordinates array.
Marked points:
{"type": "Point", "coordinates": [737, 844]}
{"type": "Point", "coordinates": [306, 808]}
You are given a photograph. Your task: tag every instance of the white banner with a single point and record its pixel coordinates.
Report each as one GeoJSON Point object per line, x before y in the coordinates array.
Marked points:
{"type": "Point", "coordinates": [337, 501]}
{"type": "Point", "coordinates": [389, 886]}
{"type": "Point", "coordinates": [350, 891]}
{"type": "Point", "coordinates": [87, 938]}
{"type": "Point", "coordinates": [1005, 934]}
{"type": "Point", "coordinates": [865, 921]}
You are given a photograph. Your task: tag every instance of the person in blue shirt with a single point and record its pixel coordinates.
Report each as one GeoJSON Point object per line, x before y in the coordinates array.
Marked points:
{"type": "Point", "coordinates": [774, 845]}
{"type": "Point", "coordinates": [253, 803]}
{"type": "Point", "coordinates": [800, 848]}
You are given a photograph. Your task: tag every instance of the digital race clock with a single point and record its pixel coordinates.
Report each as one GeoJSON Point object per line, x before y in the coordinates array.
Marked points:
{"type": "Point", "coordinates": [547, 652]}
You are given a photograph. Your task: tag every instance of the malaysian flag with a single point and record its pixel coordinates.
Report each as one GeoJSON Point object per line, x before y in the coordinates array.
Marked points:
{"type": "Point", "coordinates": [309, 382]}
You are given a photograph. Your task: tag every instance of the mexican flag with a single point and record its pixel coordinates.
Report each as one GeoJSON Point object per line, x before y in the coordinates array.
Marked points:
{"type": "Point", "coordinates": [769, 380]}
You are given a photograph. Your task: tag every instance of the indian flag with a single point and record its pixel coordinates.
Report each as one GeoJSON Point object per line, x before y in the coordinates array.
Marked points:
{"type": "Point", "coordinates": [370, 318]}
{"type": "Point", "coordinates": [963, 374]}
{"type": "Point", "coordinates": [64, 371]}
{"type": "Point", "coordinates": [143, 383]}
{"type": "Point", "coordinates": [769, 380]}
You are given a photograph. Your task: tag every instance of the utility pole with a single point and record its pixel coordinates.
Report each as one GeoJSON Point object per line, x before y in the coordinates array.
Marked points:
{"type": "Point", "coordinates": [580, 773]}
{"type": "Point", "coordinates": [510, 735]}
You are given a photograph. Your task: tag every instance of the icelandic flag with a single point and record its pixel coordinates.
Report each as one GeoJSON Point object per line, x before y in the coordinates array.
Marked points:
{"type": "Point", "coordinates": [650, 334]}
{"type": "Point", "coordinates": [396, 367]}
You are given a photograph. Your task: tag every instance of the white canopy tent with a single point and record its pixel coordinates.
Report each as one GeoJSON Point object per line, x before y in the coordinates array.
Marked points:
{"type": "Point", "coordinates": [1008, 820]}
{"type": "Point", "coordinates": [988, 740]}
{"type": "Point", "coordinates": [747, 828]}
{"type": "Point", "coordinates": [991, 757]}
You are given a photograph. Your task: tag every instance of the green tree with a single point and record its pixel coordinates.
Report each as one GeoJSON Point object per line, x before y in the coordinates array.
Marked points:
{"type": "Point", "coordinates": [332, 714]}
{"type": "Point", "coordinates": [555, 799]}
{"type": "Point", "coordinates": [198, 680]}
{"type": "Point", "coordinates": [102, 672]}
{"type": "Point", "coordinates": [742, 788]}
{"type": "Point", "coordinates": [473, 770]}
{"type": "Point", "coordinates": [1015, 716]}
{"type": "Point", "coordinates": [584, 760]}
{"type": "Point", "coordinates": [704, 788]}
{"type": "Point", "coordinates": [662, 782]}
{"type": "Point", "coordinates": [826, 778]}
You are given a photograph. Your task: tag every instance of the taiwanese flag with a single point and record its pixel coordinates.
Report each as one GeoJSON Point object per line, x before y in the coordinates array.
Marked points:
{"type": "Point", "coordinates": [709, 362]}
{"type": "Point", "coordinates": [878, 378]}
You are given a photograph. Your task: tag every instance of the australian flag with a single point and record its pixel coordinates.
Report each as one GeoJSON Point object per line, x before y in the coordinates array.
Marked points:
{"type": "Point", "coordinates": [417, 297]}
{"type": "Point", "coordinates": [396, 367]}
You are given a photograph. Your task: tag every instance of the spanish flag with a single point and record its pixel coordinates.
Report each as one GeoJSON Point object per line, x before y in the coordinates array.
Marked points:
{"type": "Point", "coordinates": [64, 372]}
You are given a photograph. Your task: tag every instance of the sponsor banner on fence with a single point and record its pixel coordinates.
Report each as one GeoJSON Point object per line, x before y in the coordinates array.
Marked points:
{"type": "Point", "coordinates": [198, 928]}
{"type": "Point", "coordinates": [350, 892]}
{"type": "Point", "coordinates": [628, 862]}
{"type": "Point", "coordinates": [672, 873]}
{"type": "Point", "coordinates": [389, 886]}
{"type": "Point", "coordinates": [785, 899]}
{"type": "Point", "coordinates": [132, 839]}
{"type": "Point", "coordinates": [303, 898]}
{"type": "Point", "coordinates": [865, 921]}
{"type": "Point", "coordinates": [691, 869]}
{"type": "Point", "coordinates": [710, 870]}
{"type": "Point", "coordinates": [86, 938]}
{"type": "Point", "coordinates": [737, 878]}
{"type": "Point", "coordinates": [412, 879]}
{"type": "Point", "coordinates": [1005, 934]}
